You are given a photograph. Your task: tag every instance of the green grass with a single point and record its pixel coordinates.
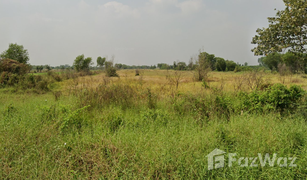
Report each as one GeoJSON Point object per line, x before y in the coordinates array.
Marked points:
{"type": "Point", "coordinates": [122, 130]}
{"type": "Point", "coordinates": [137, 143]}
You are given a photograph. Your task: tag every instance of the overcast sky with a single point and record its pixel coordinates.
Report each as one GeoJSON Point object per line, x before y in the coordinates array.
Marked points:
{"type": "Point", "coordinates": [136, 32]}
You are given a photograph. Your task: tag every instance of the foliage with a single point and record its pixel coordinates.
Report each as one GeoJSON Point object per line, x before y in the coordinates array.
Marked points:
{"type": "Point", "coordinates": [221, 64]}
{"type": "Point", "coordinates": [73, 120]}
{"type": "Point", "coordinates": [12, 66]}
{"type": "Point", "coordinates": [16, 52]}
{"type": "Point", "coordinates": [287, 30]}
{"type": "Point", "coordinates": [39, 68]}
{"type": "Point", "coordinates": [82, 64]}
{"type": "Point", "coordinates": [277, 97]}
{"type": "Point", "coordinates": [272, 60]}
{"type": "Point", "coordinates": [41, 136]}
{"type": "Point", "coordinates": [230, 65]}
{"type": "Point", "coordinates": [207, 60]}
{"type": "Point", "coordinates": [48, 67]}
{"type": "Point", "coordinates": [101, 61]}
{"type": "Point", "coordinates": [110, 69]}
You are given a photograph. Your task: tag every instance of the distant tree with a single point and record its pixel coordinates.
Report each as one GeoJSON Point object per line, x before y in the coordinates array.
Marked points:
{"type": "Point", "coordinates": [230, 65]}
{"type": "Point", "coordinates": [174, 65]}
{"type": "Point", "coordinates": [203, 66]}
{"type": "Point", "coordinates": [16, 52]}
{"type": "Point", "coordinates": [294, 61]}
{"type": "Point", "coordinates": [101, 61]}
{"type": "Point", "coordinates": [220, 64]}
{"type": "Point", "coordinates": [209, 59]}
{"type": "Point", "coordinates": [118, 66]}
{"type": "Point", "coordinates": [62, 67]}
{"type": "Point", "coordinates": [272, 60]}
{"type": "Point", "coordinates": [191, 64]}
{"type": "Point", "coordinates": [82, 64]}
{"type": "Point", "coordinates": [48, 67]}
{"type": "Point", "coordinates": [181, 66]}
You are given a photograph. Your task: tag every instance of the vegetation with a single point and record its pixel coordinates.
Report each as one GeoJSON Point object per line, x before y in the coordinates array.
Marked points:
{"type": "Point", "coordinates": [131, 128]}
{"type": "Point", "coordinates": [16, 52]}
{"type": "Point", "coordinates": [287, 30]}
{"type": "Point", "coordinates": [82, 64]}
{"type": "Point", "coordinates": [101, 61]}
{"type": "Point", "coordinates": [160, 123]}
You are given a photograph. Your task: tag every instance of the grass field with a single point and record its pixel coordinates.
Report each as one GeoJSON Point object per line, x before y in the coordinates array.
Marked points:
{"type": "Point", "coordinates": [147, 127]}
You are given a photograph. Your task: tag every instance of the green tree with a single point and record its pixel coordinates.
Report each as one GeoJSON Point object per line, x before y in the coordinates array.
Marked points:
{"type": "Point", "coordinates": [82, 64]}
{"type": "Point", "coordinates": [101, 61]}
{"type": "Point", "coordinates": [230, 65]}
{"type": "Point", "coordinates": [294, 62]}
{"type": "Point", "coordinates": [48, 67]}
{"type": "Point", "coordinates": [220, 64]}
{"type": "Point", "coordinates": [272, 60]}
{"type": "Point", "coordinates": [287, 30]}
{"type": "Point", "coordinates": [208, 59]}
{"type": "Point", "coordinates": [181, 66]}
{"type": "Point", "coordinates": [16, 52]}
{"type": "Point", "coordinates": [118, 66]}
{"type": "Point", "coordinates": [203, 66]}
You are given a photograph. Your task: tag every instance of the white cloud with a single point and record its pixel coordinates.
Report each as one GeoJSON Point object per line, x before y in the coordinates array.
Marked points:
{"type": "Point", "coordinates": [118, 9]}
{"type": "Point", "coordinates": [186, 7]}
{"type": "Point", "coordinates": [83, 5]}
{"type": "Point", "coordinates": [190, 6]}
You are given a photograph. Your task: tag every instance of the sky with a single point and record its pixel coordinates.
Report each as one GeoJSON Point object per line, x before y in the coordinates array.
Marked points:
{"type": "Point", "coordinates": [134, 32]}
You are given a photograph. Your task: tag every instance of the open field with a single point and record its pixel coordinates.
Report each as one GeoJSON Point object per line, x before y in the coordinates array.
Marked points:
{"type": "Point", "coordinates": [147, 127]}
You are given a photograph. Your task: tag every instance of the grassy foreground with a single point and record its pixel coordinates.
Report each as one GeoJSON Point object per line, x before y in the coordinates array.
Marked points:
{"type": "Point", "coordinates": [147, 128]}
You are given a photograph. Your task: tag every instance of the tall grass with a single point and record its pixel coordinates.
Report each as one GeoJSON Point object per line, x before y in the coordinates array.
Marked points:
{"type": "Point", "coordinates": [124, 130]}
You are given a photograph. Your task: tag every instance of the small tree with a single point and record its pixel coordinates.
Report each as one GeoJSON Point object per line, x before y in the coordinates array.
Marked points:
{"type": "Point", "coordinates": [203, 67]}
{"type": "Point", "coordinates": [16, 52]}
{"type": "Point", "coordinates": [82, 64]}
{"type": "Point", "coordinates": [174, 77]}
{"type": "Point", "coordinates": [110, 69]}
{"type": "Point", "coordinates": [101, 61]}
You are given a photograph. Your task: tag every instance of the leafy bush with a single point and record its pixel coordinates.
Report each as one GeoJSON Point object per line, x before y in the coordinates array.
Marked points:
{"type": "Point", "coordinates": [276, 98]}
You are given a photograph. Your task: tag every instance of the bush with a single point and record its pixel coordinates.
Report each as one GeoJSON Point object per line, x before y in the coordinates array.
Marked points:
{"type": "Point", "coordinates": [276, 98]}
{"type": "Point", "coordinates": [111, 72]}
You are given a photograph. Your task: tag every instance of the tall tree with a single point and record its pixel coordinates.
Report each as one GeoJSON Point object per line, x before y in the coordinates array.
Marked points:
{"type": "Point", "coordinates": [16, 52]}
{"type": "Point", "coordinates": [287, 30]}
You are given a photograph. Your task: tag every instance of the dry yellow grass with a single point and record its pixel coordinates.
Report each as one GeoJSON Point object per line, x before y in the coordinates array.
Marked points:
{"type": "Point", "coordinates": [156, 80]}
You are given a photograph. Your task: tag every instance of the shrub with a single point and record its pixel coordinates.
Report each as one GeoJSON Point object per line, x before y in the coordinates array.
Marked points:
{"type": "Point", "coordinates": [111, 72]}
{"type": "Point", "coordinates": [137, 72]}
{"type": "Point", "coordinates": [276, 98]}
{"type": "Point", "coordinates": [12, 66]}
